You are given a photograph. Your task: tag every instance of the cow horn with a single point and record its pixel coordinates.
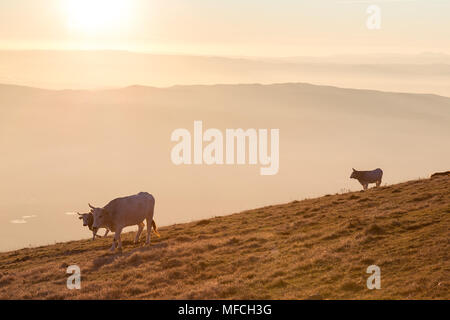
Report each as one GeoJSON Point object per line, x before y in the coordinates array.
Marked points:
{"type": "Point", "coordinates": [91, 206]}
{"type": "Point", "coordinates": [79, 214]}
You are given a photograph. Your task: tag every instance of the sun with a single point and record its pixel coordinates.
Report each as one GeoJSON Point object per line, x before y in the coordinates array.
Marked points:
{"type": "Point", "coordinates": [95, 16]}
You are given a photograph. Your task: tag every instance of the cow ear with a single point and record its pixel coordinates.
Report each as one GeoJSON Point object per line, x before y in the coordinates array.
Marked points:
{"type": "Point", "coordinates": [353, 169]}
{"type": "Point", "coordinates": [80, 218]}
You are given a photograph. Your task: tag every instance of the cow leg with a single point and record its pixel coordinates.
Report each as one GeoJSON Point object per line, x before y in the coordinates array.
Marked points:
{"type": "Point", "coordinates": [113, 243]}
{"type": "Point", "coordinates": [149, 230]}
{"type": "Point", "coordinates": [365, 186]}
{"type": "Point", "coordinates": [117, 238]}
{"type": "Point", "coordinates": [138, 234]}
{"type": "Point", "coordinates": [106, 233]}
{"type": "Point", "coordinates": [378, 183]}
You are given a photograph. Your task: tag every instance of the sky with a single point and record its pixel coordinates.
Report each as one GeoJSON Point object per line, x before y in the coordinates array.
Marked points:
{"type": "Point", "coordinates": [231, 27]}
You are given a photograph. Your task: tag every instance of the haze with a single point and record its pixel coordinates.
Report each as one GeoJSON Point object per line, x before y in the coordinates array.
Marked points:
{"type": "Point", "coordinates": [63, 149]}
{"type": "Point", "coordinates": [90, 92]}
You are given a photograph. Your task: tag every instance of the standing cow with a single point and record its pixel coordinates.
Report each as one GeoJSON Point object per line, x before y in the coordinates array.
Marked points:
{"type": "Point", "coordinates": [124, 212]}
{"type": "Point", "coordinates": [366, 177]}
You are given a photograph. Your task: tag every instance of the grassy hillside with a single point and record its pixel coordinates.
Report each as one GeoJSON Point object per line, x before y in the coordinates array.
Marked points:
{"type": "Point", "coordinates": [316, 247]}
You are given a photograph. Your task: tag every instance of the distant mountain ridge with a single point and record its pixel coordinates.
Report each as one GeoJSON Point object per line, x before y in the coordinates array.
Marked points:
{"type": "Point", "coordinates": [140, 88]}
{"type": "Point", "coordinates": [112, 69]}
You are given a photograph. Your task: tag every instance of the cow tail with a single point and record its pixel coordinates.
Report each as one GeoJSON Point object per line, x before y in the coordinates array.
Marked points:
{"type": "Point", "coordinates": [154, 229]}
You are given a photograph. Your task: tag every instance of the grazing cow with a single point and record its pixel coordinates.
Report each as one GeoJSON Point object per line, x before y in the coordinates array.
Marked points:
{"type": "Point", "coordinates": [366, 177]}
{"type": "Point", "coordinates": [124, 212]}
{"type": "Point", "coordinates": [88, 220]}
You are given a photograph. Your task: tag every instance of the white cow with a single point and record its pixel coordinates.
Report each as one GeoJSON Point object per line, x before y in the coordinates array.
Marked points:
{"type": "Point", "coordinates": [124, 212]}
{"type": "Point", "coordinates": [366, 177]}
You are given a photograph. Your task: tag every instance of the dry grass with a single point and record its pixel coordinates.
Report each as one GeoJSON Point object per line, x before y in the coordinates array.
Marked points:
{"type": "Point", "coordinates": [317, 248]}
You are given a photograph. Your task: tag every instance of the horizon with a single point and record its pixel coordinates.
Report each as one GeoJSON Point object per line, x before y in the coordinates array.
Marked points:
{"type": "Point", "coordinates": [174, 86]}
{"type": "Point", "coordinates": [426, 72]}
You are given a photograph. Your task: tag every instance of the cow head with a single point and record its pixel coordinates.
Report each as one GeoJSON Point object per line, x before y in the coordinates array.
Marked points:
{"type": "Point", "coordinates": [354, 174]}
{"type": "Point", "coordinates": [100, 217]}
{"type": "Point", "coordinates": [87, 218]}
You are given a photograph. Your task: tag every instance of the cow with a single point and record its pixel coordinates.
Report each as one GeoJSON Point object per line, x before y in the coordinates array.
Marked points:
{"type": "Point", "coordinates": [366, 177]}
{"type": "Point", "coordinates": [123, 212]}
{"type": "Point", "coordinates": [88, 221]}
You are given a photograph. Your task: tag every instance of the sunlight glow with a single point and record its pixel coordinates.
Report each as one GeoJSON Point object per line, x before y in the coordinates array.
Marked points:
{"type": "Point", "coordinates": [95, 16]}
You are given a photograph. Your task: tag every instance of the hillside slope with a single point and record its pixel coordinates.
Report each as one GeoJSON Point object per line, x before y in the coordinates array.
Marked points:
{"type": "Point", "coordinates": [315, 247]}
